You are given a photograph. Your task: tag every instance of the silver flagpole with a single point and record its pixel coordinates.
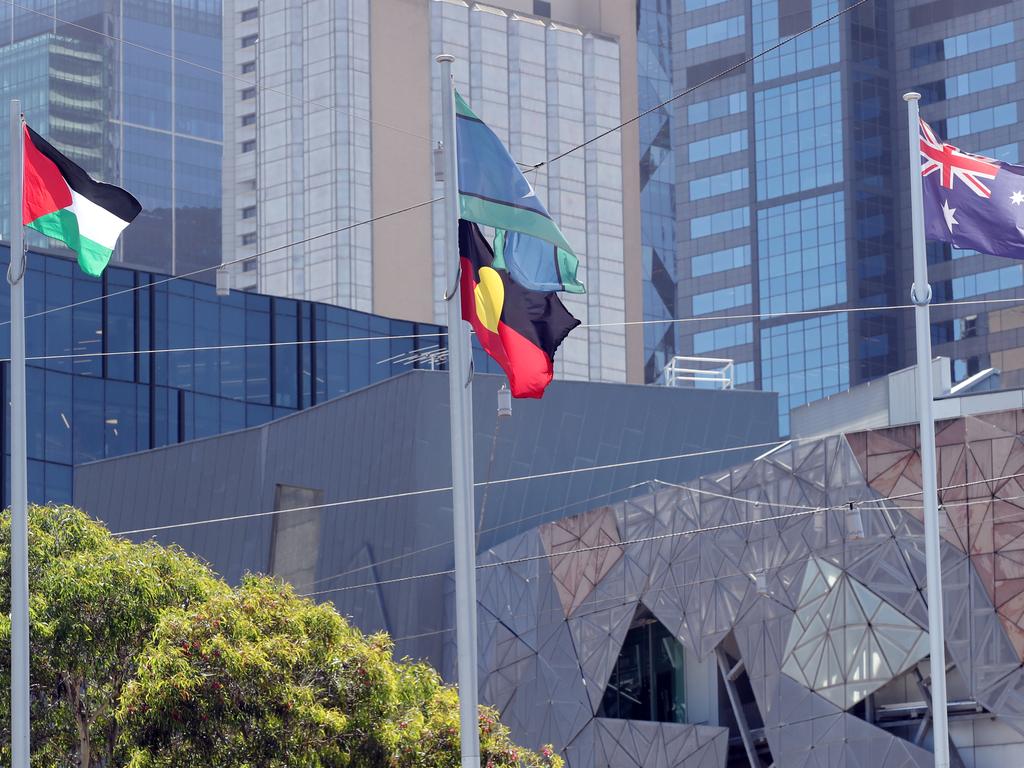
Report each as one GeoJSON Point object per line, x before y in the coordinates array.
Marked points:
{"type": "Point", "coordinates": [19, 471]}
{"type": "Point", "coordinates": [921, 296]}
{"type": "Point", "coordinates": [460, 392]}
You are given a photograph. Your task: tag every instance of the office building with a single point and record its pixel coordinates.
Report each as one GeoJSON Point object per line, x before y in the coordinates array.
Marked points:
{"type": "Point", "coordinates": [130, 90]}
{"type": "Point", "coordinates": [98, 386]}
{"type": "Point", "coordinates": [791, 188]}
{"type": "Point", "coordinates": [335, 119]}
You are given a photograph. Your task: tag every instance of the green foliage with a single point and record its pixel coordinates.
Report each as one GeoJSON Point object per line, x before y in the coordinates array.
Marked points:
{"type": "Point", "coordinates": [142, 658]}
{"type": "Point", "coordinates": [259, 677]}
{"type": "Point", "coordinates": [94, 600]}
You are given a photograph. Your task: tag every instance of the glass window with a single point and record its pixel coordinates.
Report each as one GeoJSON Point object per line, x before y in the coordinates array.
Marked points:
{"type": "Point", "coordinates": [88, 420]}
{"type": "Point", "coordinates": [647, 681]}
{"type": "Point", "coordinates": [804, 361]}
{"type": "Point", "coordinates": [249, 212]}
{"type": "Point", "coordinates": [715, 32]}
{"type": "Point", "coordinates": [248, 93]}
{"type": "Point", "coordinates": [722, 221]}
{"type": "Point", "coordinates": [248, 67]}
{"type": "Point", "coordinates": [250, 13]}
{"type": "Point", "coordinates": [119, 325]}
{"type": "Point", "coordinates": [726, 298]}
{"type": "Point", "coordinates": [723, 106]}
{"type": "Point", "coordinates": [802, 254]}
{"type": "Point", "coordinates": [250, 40]}
{"type": "Point", "coordinates": [197, 174]}
{"type": "Point", "coordinates": [799, 136]}
{"type": "Point", "coordinates": [723, 338]}
{"type": "Point", "coordinates": [249, 238]}
{"type": "Point", "coordinates": [982, 120]}
{"type": "Point", "coordinates": [249, 119]}
{"type": "Point", "coordinates": [720, 261]}
{"type": "Point", "coordinates": [249, 145]}
{"type": "Point", "coordinates": [58, 413]}
{"type": "Point", "coordinates": [816, 48]}
{"type": "Point", "coordinates": [119, 419]}
{"type": "Point", "coordinates": [988, 282]}
{"type": "Point", "coordinates": [716, 146]}
{"type": "Point", "coordinates": [696, 5]}
{"type": "Point", "coordinates": [719, 184]}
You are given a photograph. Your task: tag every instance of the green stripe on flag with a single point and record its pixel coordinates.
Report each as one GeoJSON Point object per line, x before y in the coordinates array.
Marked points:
{"type": "Point", "coordinates": [63, 225]}
{"type": "Point", "coordinates": [501, 216]}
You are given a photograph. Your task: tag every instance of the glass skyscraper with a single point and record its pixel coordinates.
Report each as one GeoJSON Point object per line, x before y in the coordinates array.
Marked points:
{"type": "Point", "coordinates": [657, 183]}
{"type": "Point", "coordinates": [791, 178]}
{"type": "Point", "coordinates": [130, 90]}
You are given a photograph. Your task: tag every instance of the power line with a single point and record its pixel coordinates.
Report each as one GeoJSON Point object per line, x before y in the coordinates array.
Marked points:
{"type": "Point", "coordinates": [701, 84]}
{"type": "Point", "coordinates": [443, 333]}
{"type": "Point", "coordinates": [671, 534]}
{"type": "Point", "coordinates": [226, 75]}
{"type": "Point", "coordinates": [275, 249]}
{"type": "Point", "coordinates": [444, 489]}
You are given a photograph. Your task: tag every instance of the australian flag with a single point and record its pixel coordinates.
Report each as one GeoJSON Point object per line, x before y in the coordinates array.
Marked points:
{"type": "Point", "coordinates": [971, 201]}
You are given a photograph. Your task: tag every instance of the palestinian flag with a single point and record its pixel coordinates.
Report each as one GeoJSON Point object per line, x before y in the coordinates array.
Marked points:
{"type": "Point", "coordinates": [63, 202]}
{"type": "Point", "coordinates": [518, 327]}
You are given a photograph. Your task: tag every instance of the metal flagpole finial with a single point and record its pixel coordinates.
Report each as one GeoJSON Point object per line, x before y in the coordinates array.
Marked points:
{"type": "Point", "coordinates": [911, 96]}
{"type": "Point", "coordinates": [445, 57]}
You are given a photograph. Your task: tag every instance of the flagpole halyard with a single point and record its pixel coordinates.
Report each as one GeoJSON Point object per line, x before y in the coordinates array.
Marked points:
{"type": "Point", "coordinates": [19, 472]}
{"type": "Point", "coordinates": [460, 390]}
{"type": "Point", "coordinates": [921, 296]}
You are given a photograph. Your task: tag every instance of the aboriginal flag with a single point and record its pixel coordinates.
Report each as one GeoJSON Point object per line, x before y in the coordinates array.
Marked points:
{"type": "Point", "coordinates": [519, 328]}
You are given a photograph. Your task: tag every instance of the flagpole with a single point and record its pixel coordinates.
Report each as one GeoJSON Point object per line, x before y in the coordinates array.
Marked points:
{"type": "Point", "coordinates": [921, 296]}
{"type": "Point", "coordinates": [460, 391]}
{"type": "Point", "coordinates": [19, 472]}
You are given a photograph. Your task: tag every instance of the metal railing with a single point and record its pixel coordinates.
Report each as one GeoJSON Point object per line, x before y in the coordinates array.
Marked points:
{"type": "Point", "coordinates": [713, 372]}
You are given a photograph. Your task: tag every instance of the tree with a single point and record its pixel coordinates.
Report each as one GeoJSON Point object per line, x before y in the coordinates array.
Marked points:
{"type": "Point", "coordinates": [94, 601]}
{"type": "Point", "coordinates": [142, 657]}
{"type": "Point", "coordinates": [261, 678]}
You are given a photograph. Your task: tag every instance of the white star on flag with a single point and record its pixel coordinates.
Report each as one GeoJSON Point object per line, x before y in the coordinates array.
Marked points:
{"type": "Point", "coordinates": [947, 213]}
{"type": "Point", "coordinates": [1017, 197]}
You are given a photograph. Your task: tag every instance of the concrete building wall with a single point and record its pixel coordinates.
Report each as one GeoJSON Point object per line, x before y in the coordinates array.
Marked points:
{"type": "Point", "coordinates": [393, 438]}
{"type": "Point", "coordinates": [354, 141]}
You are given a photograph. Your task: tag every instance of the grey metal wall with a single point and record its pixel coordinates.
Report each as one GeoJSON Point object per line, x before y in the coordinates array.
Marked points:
{"type": "Point", "coordinates": [393, 437]}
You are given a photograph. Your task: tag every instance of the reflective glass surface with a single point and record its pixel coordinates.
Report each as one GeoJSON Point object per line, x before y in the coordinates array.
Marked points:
{"type": "Point", "coordinates": [724, 298]}
{"type": "Point", "coordinates": [137, 105]}
{"type": "Point", "coordinates": [93, 397]}
{"type": "Point", "coordinates": [722, 338]}
{"type": "Point", "coordinates": [722, 106]}
{"type": "Point", "coordinates": [716, 146]}
{"type": "Point", "coordinates": [981, 120]}
{"type": "Point", "coordinates": [657, 183]}
{"type": "Point", "coordinates": [799, 136]}
{"type": "Point", "coordinates": [802, 254]}
{"type": "Point", "coordinates": [988, 282]}
{"type": "Point", "coordinates": [817, 48]}
{"type": "Point", "coordinates": [719, 184]}
{"type": "Point", "coordinates": [722, 221]}
{"type": "Point", "coordinates": [804, 361]}
{"type": "Point", "coordinates": [715, 32]}
{"type": "Point", "coordinates": [961, 45]}
{"type": "Point", "coordinates": [720, 261]}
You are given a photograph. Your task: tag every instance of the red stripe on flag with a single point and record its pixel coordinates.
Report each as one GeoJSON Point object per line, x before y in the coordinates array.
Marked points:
{"type": "Point", "coordinates": [46, 191]}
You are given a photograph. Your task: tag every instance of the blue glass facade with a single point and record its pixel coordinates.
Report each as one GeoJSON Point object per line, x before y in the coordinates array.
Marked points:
{"type": "Point", "coordinates": [90, 396]}
{"type": "Point", "coordinates": [657, 183]}
{"type": "Point", "coordinates": [128, 113]}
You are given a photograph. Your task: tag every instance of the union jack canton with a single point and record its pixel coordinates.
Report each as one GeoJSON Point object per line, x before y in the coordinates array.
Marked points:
{"type": "Point", "coordinates": [971, 201]}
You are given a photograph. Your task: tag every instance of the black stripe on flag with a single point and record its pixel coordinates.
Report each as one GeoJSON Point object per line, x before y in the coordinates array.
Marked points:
{"type": "Point", "coordinates": [118, 201]}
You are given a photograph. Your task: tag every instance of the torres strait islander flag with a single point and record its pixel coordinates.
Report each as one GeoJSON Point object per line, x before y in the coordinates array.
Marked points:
{"type": "Point", "coordinates": [63, 202]}
{"type": "Point", "coordinates": [519, 327]}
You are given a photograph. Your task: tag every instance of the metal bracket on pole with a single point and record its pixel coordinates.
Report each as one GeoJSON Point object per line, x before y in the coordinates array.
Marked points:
{"type": "Point", "coordinates": [917, 302]}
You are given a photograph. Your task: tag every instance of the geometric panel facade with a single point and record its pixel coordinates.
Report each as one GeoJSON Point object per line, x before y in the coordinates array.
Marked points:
{"type": "Point", "coordinates": [766, 563]}
{"type": "Point", "coordinates": [845, 641]}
